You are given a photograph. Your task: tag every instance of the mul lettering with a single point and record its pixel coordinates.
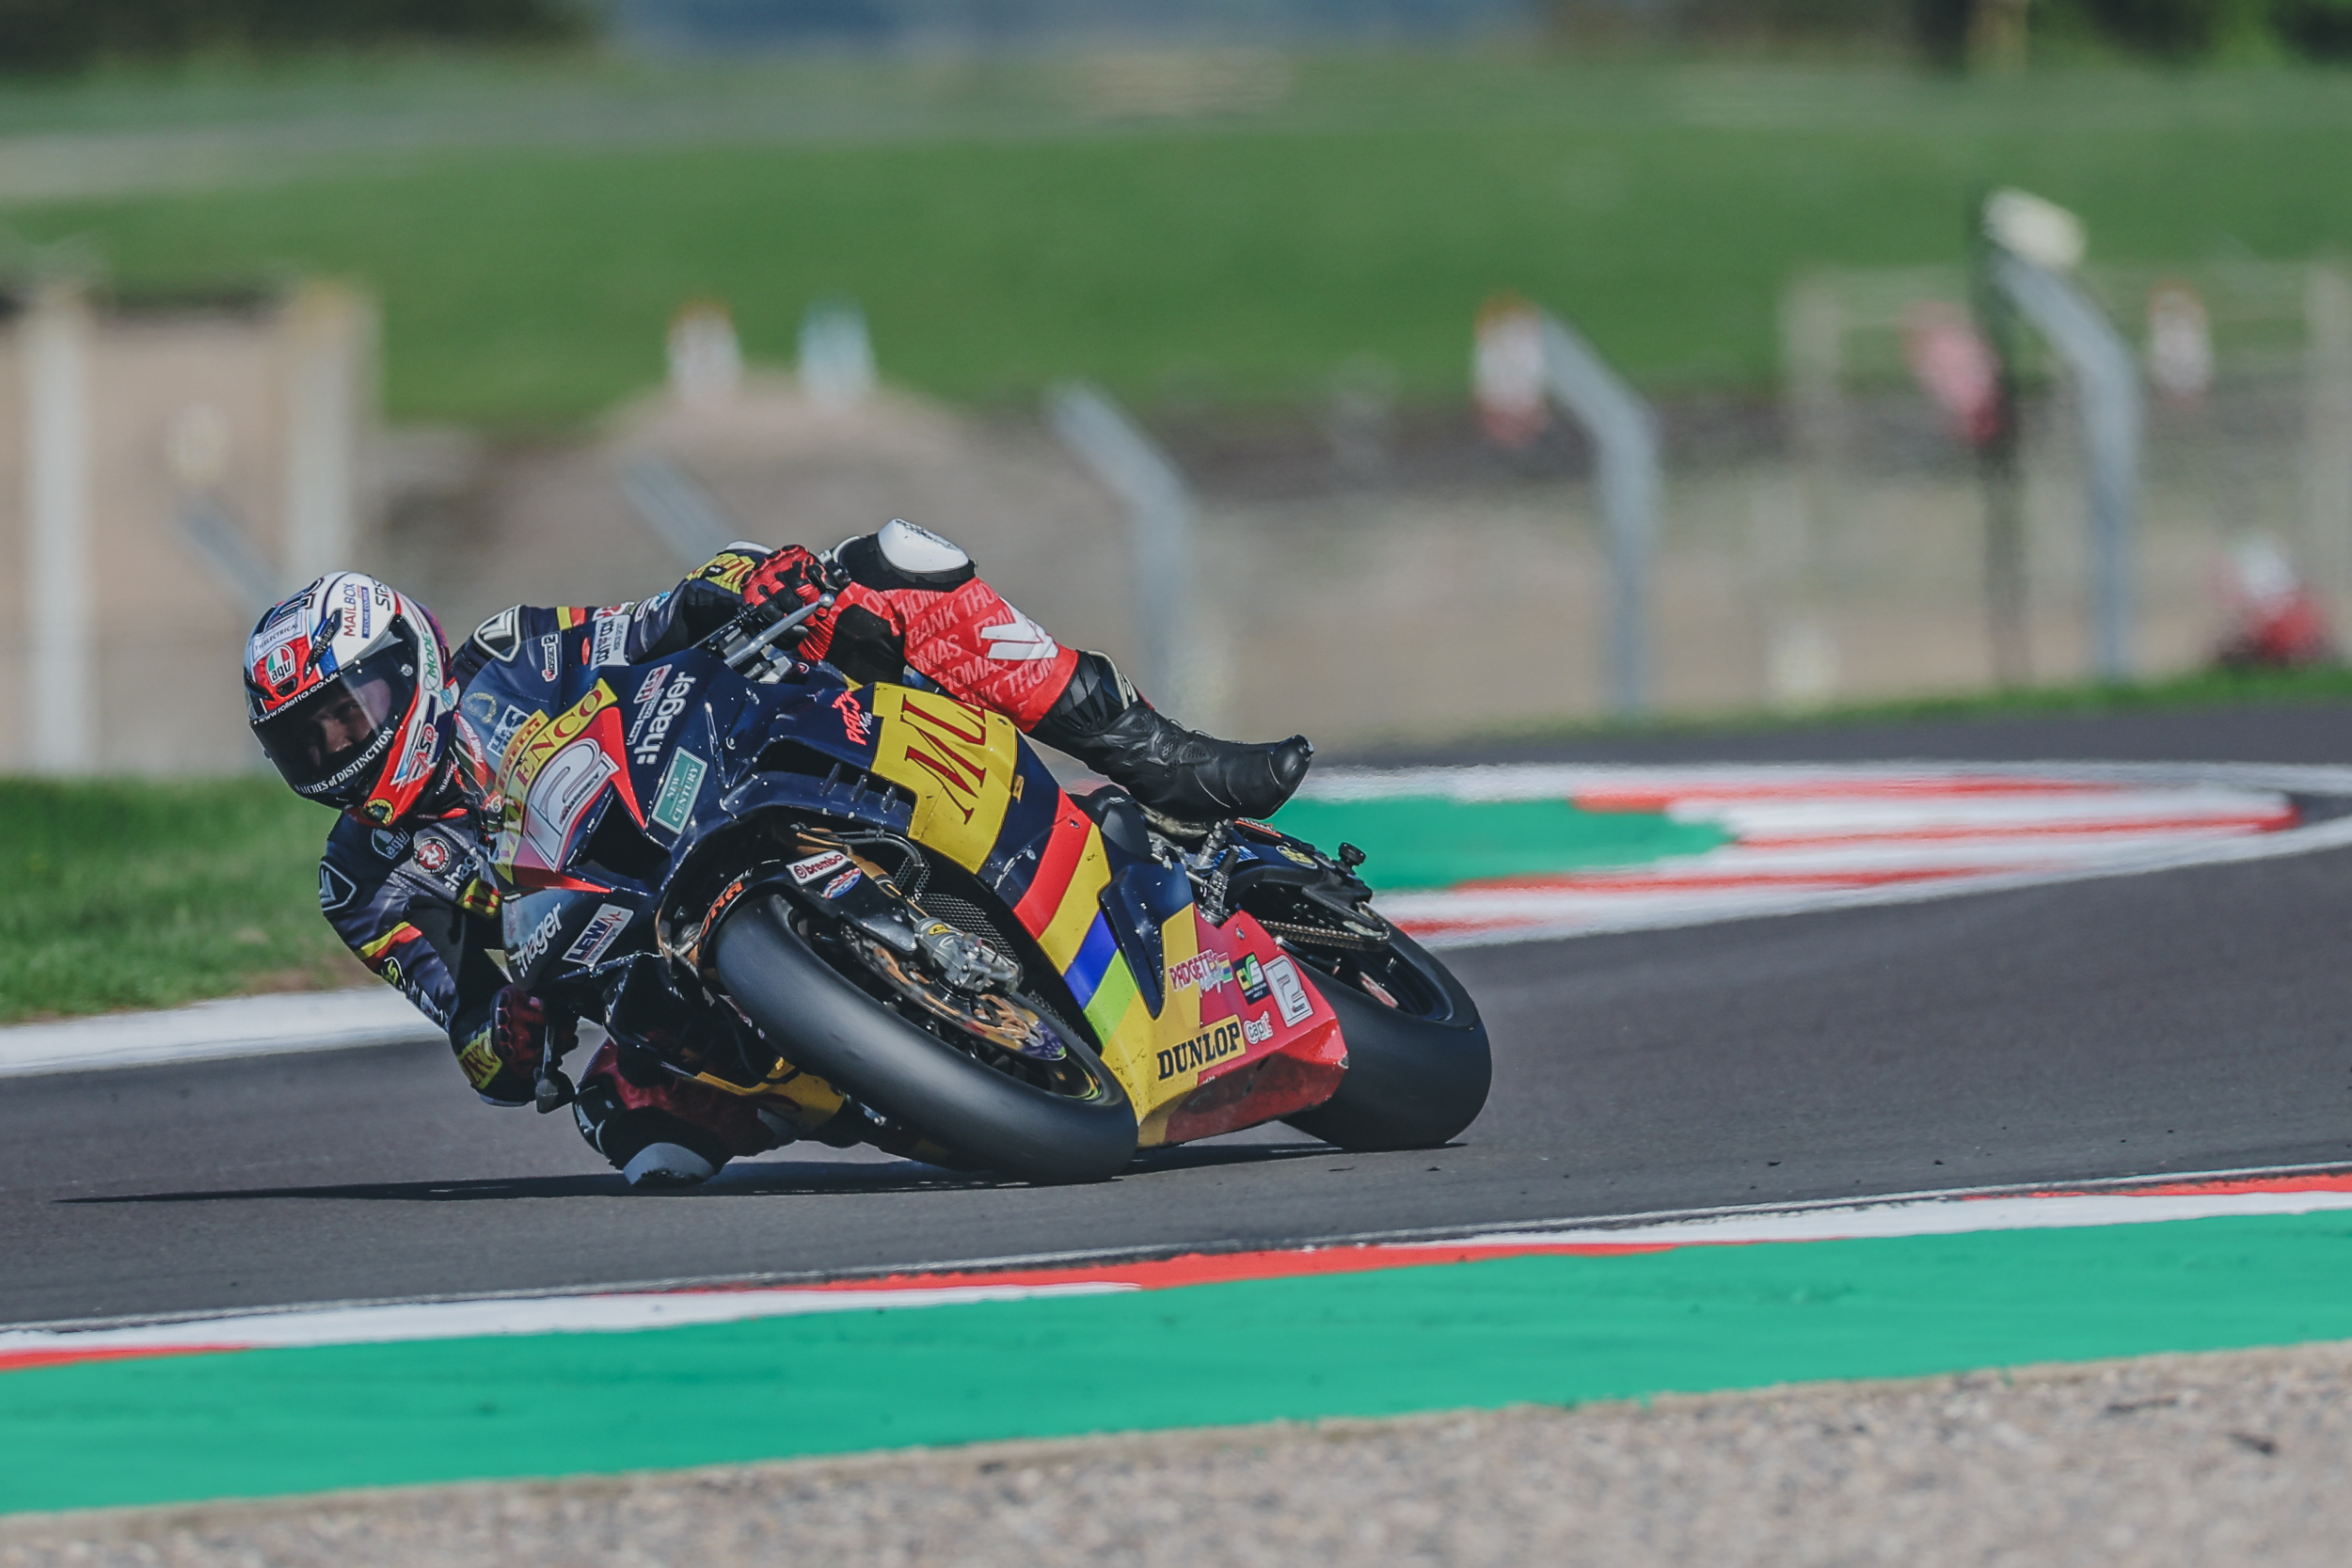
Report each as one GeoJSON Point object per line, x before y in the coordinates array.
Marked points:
{"type": "Point", "coordinates": [944, 721]}
{"type": "Point", "coordinates": [963, 780]}
{"type": "Point", "coordinates": [945, 749]}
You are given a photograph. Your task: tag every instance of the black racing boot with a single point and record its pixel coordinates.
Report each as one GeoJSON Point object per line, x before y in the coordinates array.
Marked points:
{"type": "Point", "coordinates": [1186, 778]}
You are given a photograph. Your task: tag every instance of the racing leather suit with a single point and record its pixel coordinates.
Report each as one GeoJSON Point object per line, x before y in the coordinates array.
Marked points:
{"type": "Point", "coordinates": [415, 899]}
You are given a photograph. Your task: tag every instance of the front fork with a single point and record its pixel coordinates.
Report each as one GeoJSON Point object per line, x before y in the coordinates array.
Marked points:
{"type": "Point", "coordinates": [867, 901]}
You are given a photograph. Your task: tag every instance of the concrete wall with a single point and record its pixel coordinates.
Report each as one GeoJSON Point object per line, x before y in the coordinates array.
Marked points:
{"type": "Point", "coordinates": [119, 636]}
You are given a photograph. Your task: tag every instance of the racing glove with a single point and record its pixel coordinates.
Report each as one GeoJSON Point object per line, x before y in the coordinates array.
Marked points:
{"type": "Point", "coordinates": [502, 1059]}
{"type": "Point", "coordinates": [791, 574]}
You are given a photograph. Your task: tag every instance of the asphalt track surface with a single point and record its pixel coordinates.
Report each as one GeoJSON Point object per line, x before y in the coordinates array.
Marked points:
{"type": "Point", "coordinates": [2186, 1021]}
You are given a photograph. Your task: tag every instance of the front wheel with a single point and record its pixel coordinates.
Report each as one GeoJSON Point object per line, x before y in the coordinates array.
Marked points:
{"type": "Point", "coordinates": [1073, 1124]}
{"type": "Point", "coordinates": [1418, 1063]}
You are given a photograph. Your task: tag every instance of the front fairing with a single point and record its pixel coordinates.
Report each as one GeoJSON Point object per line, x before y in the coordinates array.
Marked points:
{"type": "Point", "coordinates": [599, 776]}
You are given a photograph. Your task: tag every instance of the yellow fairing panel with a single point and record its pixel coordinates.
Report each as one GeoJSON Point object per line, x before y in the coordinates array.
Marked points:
{"type": "Point", "coordinates": [959, 761]}
{"type": "Point", "coordinates": [1130, 1045]}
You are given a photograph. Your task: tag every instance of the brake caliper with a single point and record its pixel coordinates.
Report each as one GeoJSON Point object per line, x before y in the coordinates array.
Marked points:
{"type": "Point", "coordinates": [964, 961]}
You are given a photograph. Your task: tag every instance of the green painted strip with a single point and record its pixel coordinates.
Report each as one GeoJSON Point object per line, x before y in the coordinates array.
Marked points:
{"type": "Point", "coordinates": [1416, 841]}
{"type": "Point", "coordinates": [1111, 999]}
{"type": "Point", "coordinates": [1542, 1329]}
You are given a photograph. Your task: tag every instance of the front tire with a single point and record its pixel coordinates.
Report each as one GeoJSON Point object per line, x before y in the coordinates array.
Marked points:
{"type": "Point", "coordinates": [821, 1022]}
{"type": "Point", "coordinates": [1419, 1066]}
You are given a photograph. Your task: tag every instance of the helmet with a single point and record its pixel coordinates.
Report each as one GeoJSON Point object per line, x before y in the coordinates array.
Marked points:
{"type": "Point", "coordinates": [347, 684]}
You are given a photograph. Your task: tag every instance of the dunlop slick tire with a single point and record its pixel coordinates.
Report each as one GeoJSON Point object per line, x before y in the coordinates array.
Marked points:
{"type": "Point", "coordinates": [1411, 1083]}
{"type": "Point", "coordinates": [820, 1019]}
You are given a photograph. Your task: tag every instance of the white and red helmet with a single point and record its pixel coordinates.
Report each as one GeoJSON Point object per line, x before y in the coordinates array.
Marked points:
{"type": "Point", "coordinates": [347, 684]}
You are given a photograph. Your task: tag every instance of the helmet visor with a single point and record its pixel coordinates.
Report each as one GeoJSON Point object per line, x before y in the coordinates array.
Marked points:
{"type": "Point", "coordinates": [331, 745]}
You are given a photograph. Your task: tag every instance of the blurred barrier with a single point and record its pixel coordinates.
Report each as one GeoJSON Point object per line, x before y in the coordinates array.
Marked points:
{"type": "Point", "coordinates": [59, 561]}
{"type": "Point", "coordinates": [223, 547]}
{"type": "Point", "coordinates": [1451, 587]}
{"type": "Point", "coordinates": [2112, 418]}
{"type": "Point", "coordinates": [678, 512]}
{"type": "Point", "coordinates": [1405, 578]}
{"type": "Point", "coordinates": [1160, 523]}
{"type": "Point", "coordinates": [1628, 479]}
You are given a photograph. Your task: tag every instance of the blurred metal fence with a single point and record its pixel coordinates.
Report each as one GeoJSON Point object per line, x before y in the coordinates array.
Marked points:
{"type": "Point", "coordinates": [1392, 574]}
{"type": "Point", "coordinates": [2255, 445]}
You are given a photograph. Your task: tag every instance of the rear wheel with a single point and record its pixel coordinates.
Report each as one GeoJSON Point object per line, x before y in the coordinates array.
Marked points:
{"type": "Point", "coordinates": [988, 1075]}
{"type": "Point", "coordinates": [1418, 1063]}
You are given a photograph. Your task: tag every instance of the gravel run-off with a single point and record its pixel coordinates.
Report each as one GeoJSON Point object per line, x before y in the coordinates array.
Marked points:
{"type": "Point", "coordinates": [2233, 1457]}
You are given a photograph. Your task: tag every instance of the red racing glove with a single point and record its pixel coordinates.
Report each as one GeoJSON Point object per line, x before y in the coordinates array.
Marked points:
{"type": "Point", "coordinates": [501, 1061]}
{"type": "Point", "coordinates": [793, 573]}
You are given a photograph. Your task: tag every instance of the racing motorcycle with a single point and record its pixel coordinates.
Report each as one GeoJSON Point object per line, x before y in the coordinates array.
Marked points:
{"type": "Point", "coordinates": [871, 909]}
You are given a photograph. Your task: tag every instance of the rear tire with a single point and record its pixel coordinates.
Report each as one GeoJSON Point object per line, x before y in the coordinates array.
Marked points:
{"type": "Point", "coordinates": [1417, 1072]}
{"type": "Point", "coordinates": [821, 1022]}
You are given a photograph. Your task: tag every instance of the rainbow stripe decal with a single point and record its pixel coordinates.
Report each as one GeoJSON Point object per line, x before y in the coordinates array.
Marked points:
{"type": "Point", "coordinates": [1216, 1023]}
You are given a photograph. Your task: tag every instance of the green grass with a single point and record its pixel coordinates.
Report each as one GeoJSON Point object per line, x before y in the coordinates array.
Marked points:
{"type": "Point", "coordinates": [999, 238]}
{"type": "Point", "coordinates": [127, 894]}
{"type": "Point", "coordinates": [2202, 688]}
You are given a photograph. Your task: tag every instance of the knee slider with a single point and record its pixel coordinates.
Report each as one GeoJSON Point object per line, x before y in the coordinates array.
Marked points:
{"type": "Point", "coordinates": [667, 1164]}
{"type": "Point", "coordinates": [621, 1133]}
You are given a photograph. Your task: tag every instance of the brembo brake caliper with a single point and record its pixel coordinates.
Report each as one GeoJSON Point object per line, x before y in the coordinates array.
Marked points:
{"type": "Point", "coordinates": [869, 902]}
{"type": "Point", "coordinates": [964, 961]}
{"type": "Point", "coordinates": [950, 974]}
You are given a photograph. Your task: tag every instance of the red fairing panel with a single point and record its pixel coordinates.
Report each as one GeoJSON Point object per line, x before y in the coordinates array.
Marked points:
{"type": "Point", "coordinates": [1293, 1055]}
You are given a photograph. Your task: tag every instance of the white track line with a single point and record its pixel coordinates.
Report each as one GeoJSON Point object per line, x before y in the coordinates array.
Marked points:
{"type": "Point", "coordinates": [1564, 917]}
{"type": "Point", "coordinates": [613, 1312]}
{"type": "Point", "coordinates": [609, 1313]}
{"type": "Point", "coordinates": [237, 1027]}
{"type": "Point", "coordinates": [1935, 1217]}
{"type": "Point", "coordinates": [1984, 828]}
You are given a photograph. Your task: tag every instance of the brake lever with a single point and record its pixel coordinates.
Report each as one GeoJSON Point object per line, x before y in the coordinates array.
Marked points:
{"type": "Point", "coordinates": [742, 657]}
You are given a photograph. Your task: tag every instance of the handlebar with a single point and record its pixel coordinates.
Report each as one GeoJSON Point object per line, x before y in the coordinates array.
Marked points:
{"type": "Point", "coordinates": [740, 658]}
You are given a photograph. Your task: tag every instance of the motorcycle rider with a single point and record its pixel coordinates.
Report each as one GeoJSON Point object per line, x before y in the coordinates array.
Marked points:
{"type": "Point", "coordinates": [353, 692]}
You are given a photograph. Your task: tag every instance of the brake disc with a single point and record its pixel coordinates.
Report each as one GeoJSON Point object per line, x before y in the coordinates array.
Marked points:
{"type": "Point", "coordinates": [989, 1015]}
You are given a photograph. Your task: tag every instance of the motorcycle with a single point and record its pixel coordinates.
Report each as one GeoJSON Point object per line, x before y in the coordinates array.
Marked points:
{"type": "Point", "coordinates": [871, 909]}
